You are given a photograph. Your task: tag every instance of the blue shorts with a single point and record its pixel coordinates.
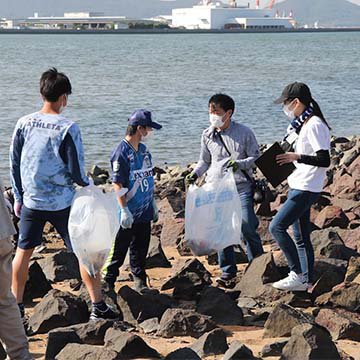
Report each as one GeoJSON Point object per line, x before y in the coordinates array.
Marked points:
{"type": "Point", "coordinates": [32, 224]}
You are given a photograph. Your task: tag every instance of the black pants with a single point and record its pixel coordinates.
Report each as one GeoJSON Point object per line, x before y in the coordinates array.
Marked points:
{"type": "Point", "coordinates": [137, 239]}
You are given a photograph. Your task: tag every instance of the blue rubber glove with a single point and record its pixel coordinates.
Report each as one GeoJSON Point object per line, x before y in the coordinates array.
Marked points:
{"type": "Point", "coordinates": [126, 218]}
{"type": "Point", "coordinates": [156, 212]}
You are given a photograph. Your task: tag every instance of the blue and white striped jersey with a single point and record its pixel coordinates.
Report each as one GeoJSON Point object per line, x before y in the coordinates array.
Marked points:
{"type": "Point", "coordinates": [134, 170]}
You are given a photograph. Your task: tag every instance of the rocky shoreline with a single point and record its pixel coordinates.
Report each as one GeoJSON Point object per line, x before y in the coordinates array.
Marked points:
{"type": "Point", "coordinates": [193, 319]}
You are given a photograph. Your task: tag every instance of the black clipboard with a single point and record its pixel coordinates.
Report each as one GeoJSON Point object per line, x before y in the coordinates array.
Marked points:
{"type": "Point", "coordinates": [273, 172]}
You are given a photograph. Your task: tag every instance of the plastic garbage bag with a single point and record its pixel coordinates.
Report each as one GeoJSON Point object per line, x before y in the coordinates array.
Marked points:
{"type": "Point", "coordinates": [93, 224]}
{"type": "Point", "coordinates": [213, 216]}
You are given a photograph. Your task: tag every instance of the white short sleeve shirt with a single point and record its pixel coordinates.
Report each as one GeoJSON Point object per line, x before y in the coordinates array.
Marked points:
{"type": "Point", "coordinates": [313, 136]}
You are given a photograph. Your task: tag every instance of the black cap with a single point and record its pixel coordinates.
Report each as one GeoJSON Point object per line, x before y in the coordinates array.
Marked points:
{"type": "Point", "coordinates": [142, 117]}
{"type": "Point", "coordinates": [295, 90]}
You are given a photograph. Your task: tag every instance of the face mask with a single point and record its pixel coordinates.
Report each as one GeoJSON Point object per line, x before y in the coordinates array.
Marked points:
{"type": "Point", "coordinates": [148, 135]}
{"type": "Point", "coordinates": [289, 113]}
{"type": "Point", "coordinates": [62, 107]}
{"type": "Point", "coordinates": [216, 120]}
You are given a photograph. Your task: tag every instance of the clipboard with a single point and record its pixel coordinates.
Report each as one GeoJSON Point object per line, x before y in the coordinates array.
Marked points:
{"type": "Point", "coordinates": [273, 172]}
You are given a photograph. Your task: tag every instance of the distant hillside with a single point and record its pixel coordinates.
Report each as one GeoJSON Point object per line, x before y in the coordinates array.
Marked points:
{"type": "Point", "coordinates": [129, 8]}
{"type": "Point", "coordinates": [326, 12]}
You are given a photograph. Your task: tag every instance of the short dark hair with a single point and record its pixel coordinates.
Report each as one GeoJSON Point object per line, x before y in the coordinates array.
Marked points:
{"type": "Point", "coordinates": [131, 130]}
{"type": "Point", "coordinates": [53, 84]}
{"type": "Point", "coordinates": [224, 101]}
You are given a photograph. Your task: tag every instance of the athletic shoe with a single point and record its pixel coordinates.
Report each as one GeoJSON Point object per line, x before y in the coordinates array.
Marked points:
{"type": "Point", "coordinates": [227, 283]}
{"type": "Point", "coordinates": [140, 285]}
{"type": "Point", "coordinates": [293, 282]}
{"type": "Point", "coordinates": [107, 314]}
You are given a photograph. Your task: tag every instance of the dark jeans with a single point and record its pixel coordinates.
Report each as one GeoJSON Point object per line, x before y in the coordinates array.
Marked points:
{"type": "Point", "coordinates": [137, 239]}
{"type": "Point", "coordinates": [249, 227]}
{"type": "Point", "coordinates": [296, 212]}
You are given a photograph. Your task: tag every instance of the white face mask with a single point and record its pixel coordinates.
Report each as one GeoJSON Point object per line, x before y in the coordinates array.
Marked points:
{"type": "Point", "coordinates": [289, 113]}
{"type": "Point", "coordinates": [62, 107]}
{"type": "Point", "coordinates": [216, 120]}
{"type": "Point", "coordinates": [148, 135]}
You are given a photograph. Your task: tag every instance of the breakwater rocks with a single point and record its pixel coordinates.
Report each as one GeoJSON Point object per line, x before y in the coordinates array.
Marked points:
{"type": "Point", "coordinates": [190, 318]}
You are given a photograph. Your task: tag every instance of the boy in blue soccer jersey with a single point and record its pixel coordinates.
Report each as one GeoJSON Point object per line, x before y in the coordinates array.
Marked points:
{"type": "Point", "coordinates": [132, 168]}
{"type": "Point", "coordinates": [46, 161]}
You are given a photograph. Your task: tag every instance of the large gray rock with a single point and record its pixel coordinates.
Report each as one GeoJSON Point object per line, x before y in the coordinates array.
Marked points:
{"type": "Point", "coordinates": [332, 216]}
{"type": "Point", "coordinates": [223, 310]}
{"type": "Point", "coordinates": [128, 346]}
{"type": "Point", "coordinates": [172, 229]}
{"type": "Point", "coordinates": [345, 296]}
{"type": "Point", "coordinates": [283, 319]}
{"type": "Point", "coordinates": [238, 351]}
{"type": "Point", "coordinates": [257, 279]}
{"type": "Point", "coordinates": [58, 309]}
{"type": "Point", "coordinates": [309, 342]}
{"type": "Point", "coordinates": [353, 270]}
{"type": "Point", "coordinates": [188, 280]}
{"type": "Point", "coordinates": [211, 343]}
{"type": "Point", "coordinates": [37, 286]}
{"type": "Point", "coordinates": [328, 243]}
{"type": "Point", "coordinates": [150, 326]}
{"type": "Point", "coordinates": [341, 325]}
{"type": "Point", "coordinates": [273, 349]}
{"type": "Point", "coordinates": [183, 354]}
{"type": "Point", "coordinates": [351, 237]}
{"type": "Point", "coordinates": [156, 257]}
{"type": "Point", "coordinates": [88, 352]}
{"type": "Point", "coordinates": [58, 339]}
{"type": "Point", "coordinates": [60, 266]}
{"type": "Point", "coordinates": [136, 307]}
{"type": "Point", "coordinates": [328, 273]}
{"type": "Point", "coordinates": [178, 322]}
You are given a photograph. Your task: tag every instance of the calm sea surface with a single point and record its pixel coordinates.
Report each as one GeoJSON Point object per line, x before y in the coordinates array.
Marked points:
{"type": "Point", "coordinates": [174, 76]}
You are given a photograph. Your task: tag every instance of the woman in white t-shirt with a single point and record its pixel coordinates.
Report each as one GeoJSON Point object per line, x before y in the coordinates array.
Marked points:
{"type": "Point", "coordinates": [309, 136]}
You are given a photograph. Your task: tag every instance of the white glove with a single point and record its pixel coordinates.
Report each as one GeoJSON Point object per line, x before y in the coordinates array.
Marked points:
{"type": "Point", "coordinates": [126, 218]}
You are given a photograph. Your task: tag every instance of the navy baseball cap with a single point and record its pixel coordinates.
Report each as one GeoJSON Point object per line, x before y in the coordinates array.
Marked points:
{"type": "Point", "coordinates": [143, 118]}
{"type": "Point", "coordinates": [295, 90]}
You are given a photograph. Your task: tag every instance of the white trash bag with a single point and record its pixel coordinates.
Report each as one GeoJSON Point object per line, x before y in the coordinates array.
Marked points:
{"type": "Point", "coordinates": [213, 216]}
{"type": "Point", "coordinates": [93, 225]}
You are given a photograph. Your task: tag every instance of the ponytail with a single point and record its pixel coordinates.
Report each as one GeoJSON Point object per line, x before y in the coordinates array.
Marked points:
{"type": "Point", "coordinates": [318, 112]}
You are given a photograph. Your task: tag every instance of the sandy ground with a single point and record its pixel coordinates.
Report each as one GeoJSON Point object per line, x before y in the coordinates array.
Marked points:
{"type": "Point", "coordinates": [249, 335]}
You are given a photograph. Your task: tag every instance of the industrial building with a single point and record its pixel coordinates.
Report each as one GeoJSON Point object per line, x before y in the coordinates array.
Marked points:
{"type": "Point", "coordinates": [73, 20]}
{"type": "Point", "coordinates": [209, 15]}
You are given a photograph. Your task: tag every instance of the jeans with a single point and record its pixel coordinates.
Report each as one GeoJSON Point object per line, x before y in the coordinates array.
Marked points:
{"type": "Point", "coordinates": [137, 240]}
{"type": "Point", "coordinates": [249, 226]}
{"type": "Point", "coordinates": [299, 251]}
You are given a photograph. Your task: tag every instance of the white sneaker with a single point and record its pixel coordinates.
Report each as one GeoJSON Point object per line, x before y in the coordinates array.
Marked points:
{"type": "Point", "coordinates": [293, 282]}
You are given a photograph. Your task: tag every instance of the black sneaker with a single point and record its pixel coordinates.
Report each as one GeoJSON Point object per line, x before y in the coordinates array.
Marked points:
{"type": "Point", "coordinates": [227, 283]}
{"type": "Point", "coordinates": [142, 288]}
{"type": "Point", "coordinates": [107, 314]}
